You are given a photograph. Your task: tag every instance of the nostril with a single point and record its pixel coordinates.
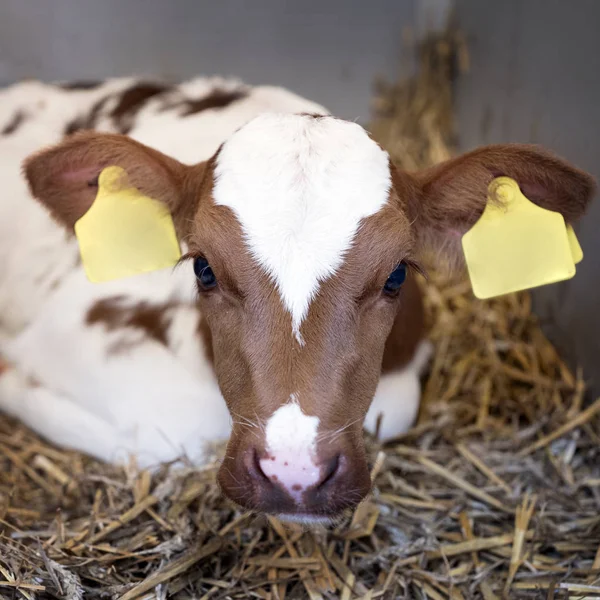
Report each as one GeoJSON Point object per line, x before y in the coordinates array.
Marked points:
{"type": "Point", "coordinates": [331, 469]}
{"type": "Point", "coordinates": [259, 469]}
{"type": "Point", "coordinates": [254, 467]}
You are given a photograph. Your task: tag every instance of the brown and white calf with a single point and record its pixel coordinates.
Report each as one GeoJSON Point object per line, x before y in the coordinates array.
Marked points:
{"type": "Point", "coordinates": [295, 315]}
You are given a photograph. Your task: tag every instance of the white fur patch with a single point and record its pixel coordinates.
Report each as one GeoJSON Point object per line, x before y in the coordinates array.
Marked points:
{"type": "Point", "coordinates": [398, 396]}
{"type": "Point", "coordinates": [300, 187]}
{"type": "Point", "coordinates": [291, 440]}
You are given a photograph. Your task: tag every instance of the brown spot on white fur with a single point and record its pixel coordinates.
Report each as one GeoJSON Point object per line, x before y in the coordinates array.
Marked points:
{"type": "Point", "coordinates": [76, 86]}
{"type": "Point", "coordinates": [15, 122]}
{"type": "Point", "coordinates": [216, 99]}
{"type": "Point", "coordinates": [87, 121]}
{"type": "Point", "coordinates": [128, 103]}
{"type": "Point", "coordinates": [131, 101]}
{"type": "Point", "coordinates": [116, 313]}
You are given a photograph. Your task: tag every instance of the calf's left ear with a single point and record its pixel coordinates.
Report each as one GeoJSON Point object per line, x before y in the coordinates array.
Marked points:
{"type": "Point", "coordinates": [450, 197]}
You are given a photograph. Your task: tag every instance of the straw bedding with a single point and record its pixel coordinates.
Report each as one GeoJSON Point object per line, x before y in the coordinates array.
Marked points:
{"type": "Point", "coordinates": [495, 493]}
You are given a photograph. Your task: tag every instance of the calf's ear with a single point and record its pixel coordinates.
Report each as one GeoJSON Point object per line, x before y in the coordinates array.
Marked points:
{"type": "Point", "coordinates": [450, 197]}
{"type": "Point", "coordinates": [65, 177]}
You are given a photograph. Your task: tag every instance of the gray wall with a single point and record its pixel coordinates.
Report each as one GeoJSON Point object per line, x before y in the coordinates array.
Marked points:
{"type": "Point", "coordinates": [328, 50]}
{"type": "Point", "coordinates": [535, 77]}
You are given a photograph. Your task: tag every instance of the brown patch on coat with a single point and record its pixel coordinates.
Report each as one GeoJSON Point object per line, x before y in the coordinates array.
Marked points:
{"type": "Point", "coordinates": [130, 102]}
{"type": "Point", "coordinates": [88, 121]}
{"type": "Point", "coordinates": [16, 121]}
{"type": "Point", "coordinates": [74, 86]}
{"type": "Point", "coordinates": [115, 313]}
{"type": "Point", "coordinates": [216, 99]}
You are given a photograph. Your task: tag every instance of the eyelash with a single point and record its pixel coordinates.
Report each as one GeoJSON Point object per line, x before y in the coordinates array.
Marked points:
{"type": "Point", "coordinates": [185, 257]}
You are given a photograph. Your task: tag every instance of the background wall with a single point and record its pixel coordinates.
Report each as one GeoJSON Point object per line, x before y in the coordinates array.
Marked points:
{"type": "Point", "coordinates": [534, 77]}
{"type": "Point", "coordinates": [326, 50]}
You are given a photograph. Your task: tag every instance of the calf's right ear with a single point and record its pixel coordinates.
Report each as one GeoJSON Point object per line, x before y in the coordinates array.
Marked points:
{"type": "Point", "coordinates": [65, 177]}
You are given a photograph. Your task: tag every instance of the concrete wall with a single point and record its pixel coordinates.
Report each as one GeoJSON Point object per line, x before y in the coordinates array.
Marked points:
{"type": "Point", "coordinates": [326, 50]}
{"type": "Point", "coordinates": [535, 77]}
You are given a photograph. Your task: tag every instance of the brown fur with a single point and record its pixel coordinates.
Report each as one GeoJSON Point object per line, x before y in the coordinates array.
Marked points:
{"type": "Point", "coordinates": [74, 86]}
{"type": "Point", "coordinates": [407, 330]}
{"type": "Point", "coordinates": [87, 121]}
{"type": "Point", "coordinates": [130, 102]}
{"type": "Point", "coordinates": [133, 99]}
{"type": "Point", "coordinates": [352, 331]}
{"type": "Point", "coordinates": [216, 99]}
{"type": "Point", "coordinates": [17, 120]}
{"type": "Point", "coordinates": [206, 336]}
{"type": "Point", "coordinates": [115, 313]}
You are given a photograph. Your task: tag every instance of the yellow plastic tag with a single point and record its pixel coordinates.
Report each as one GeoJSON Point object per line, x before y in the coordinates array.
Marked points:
{"type": "Point", "coordinates": [125, 233]}
{"type": "Point", "coordinates": [517, 245]}
{"type": "Point", "coordinates": [576, 250]}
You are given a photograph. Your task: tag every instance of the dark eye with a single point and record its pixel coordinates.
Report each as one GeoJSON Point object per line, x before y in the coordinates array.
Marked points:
{"type": "Point", "coordinates": [204, 273]}
{"type": "Point", "coordinates": [396, 279]}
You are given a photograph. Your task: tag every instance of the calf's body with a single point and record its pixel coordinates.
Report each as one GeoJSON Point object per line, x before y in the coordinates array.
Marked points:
{"type": "Point", "coordinates": [295, 317]}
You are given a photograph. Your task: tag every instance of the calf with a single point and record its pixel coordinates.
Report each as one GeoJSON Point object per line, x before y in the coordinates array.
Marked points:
{"type": "Point", "coordinates": [295, 301]}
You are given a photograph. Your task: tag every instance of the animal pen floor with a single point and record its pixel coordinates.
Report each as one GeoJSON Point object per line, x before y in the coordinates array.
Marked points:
{"type": "Point", "coordinates": [495, 493]}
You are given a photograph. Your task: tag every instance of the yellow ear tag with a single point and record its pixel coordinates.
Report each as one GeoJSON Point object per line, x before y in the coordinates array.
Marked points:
{"type": "Point", "coordinates": [125, 233]}
{"type": "Point", "coordinates": [516, 245]}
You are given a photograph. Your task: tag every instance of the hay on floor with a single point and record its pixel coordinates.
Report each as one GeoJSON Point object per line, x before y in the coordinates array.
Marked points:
{"type": "Point", "coordinates": [495, 493]}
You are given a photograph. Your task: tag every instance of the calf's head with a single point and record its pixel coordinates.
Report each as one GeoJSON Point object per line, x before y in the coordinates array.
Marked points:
{"type": "Point", "coordinates": [301, 234]}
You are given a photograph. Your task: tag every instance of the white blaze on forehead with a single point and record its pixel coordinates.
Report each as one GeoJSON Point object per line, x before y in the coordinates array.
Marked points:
{"type": "Point", "coordinates": [300, 186]}
{"type": "Point", "coordinates": [291, 444]}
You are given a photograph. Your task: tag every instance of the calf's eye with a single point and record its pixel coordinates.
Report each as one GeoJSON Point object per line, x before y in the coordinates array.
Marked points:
{"type": "Point", "coordinates": [396, 279]}
{"type": "Point", "coordinates": [204, 274]}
